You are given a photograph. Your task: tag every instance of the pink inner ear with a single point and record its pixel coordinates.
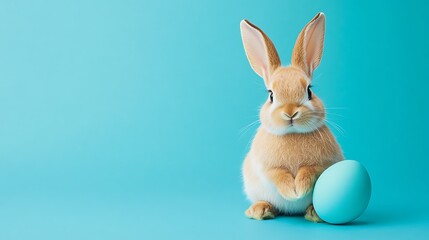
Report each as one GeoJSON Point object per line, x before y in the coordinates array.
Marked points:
{"type": "Point", "coordinates": [260, 50]}
{"type": "Point", "coordinates": [256, 50]}
{"type": "Point", "coordinates": [314, 45]}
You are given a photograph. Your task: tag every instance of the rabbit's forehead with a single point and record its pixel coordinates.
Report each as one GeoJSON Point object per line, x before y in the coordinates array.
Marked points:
{"type": "Point", "coordinates": [289, 84]}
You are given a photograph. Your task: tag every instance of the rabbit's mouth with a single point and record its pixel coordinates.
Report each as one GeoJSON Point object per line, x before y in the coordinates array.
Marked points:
{"type": "Point", "coordinates": [290, 127]}
{"type": "Point", "coordinates": [295, 126]}
{"type": "Point", "coordinates": [290, 120]}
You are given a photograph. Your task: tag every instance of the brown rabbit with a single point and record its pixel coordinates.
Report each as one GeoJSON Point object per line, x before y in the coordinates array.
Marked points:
{"type": "Point", "coordinates": [293, 146]}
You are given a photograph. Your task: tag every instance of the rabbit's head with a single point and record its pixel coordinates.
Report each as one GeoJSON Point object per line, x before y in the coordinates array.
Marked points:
{"type": "Point", "coordinates": [291, 106]}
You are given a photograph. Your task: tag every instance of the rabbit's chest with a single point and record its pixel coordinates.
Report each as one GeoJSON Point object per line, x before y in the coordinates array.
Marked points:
{"type": "Point", "coordinates": [290, 153]}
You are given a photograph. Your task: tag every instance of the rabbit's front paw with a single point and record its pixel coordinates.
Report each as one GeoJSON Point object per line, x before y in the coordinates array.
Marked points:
{"type": "Point", "coordinates": [288, 191]}
{"type": "Point", "coordinates": [304, 182]}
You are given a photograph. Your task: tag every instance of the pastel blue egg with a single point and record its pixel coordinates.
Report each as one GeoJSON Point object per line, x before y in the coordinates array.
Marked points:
{"type": "Point", "coordinates": [342, 192]}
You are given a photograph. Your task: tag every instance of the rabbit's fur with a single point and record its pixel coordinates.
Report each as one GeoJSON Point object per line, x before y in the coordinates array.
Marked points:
{"type": "Point", "coordinates": [293, 146]}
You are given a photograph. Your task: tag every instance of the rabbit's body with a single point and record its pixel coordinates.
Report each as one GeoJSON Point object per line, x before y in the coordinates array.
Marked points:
{"type": "Point", "coordinates": [293, 146]}
{"type": "Point", "coordinates": [290, 151]}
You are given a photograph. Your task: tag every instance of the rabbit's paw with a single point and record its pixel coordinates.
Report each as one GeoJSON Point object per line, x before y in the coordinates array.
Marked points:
{"type": "Point", "coordinates": [261, 210]}
{"type": "Point", "coordinates": [304, 182]}
{"type": "Point", "coordinates": [288, 191]}
{"type": "Point", "coordinates": [311, 215]}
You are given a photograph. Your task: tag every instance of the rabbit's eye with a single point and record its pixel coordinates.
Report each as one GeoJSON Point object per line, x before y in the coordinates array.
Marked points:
{"type": "Point", "coordinates": [309, 93]}
{"type": "Point", "coordinates": [271, 95]}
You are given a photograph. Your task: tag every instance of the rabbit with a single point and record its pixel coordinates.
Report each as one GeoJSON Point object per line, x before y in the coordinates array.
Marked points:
{"type": "Point", "coordinates": [293, 146]}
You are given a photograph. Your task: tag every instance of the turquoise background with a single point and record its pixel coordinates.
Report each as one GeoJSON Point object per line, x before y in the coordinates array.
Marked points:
{"type": "Point", "coordinates": [126, 119]}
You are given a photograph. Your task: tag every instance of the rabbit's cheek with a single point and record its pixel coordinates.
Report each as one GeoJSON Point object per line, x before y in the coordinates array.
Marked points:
{"type": "Point", "coordinates": [309, 105]}
{"type": "Point", "coordinates": [268, 117]}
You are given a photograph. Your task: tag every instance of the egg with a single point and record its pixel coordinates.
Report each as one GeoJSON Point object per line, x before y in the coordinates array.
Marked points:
{"type": "Point", "coordinates": [342, 192]}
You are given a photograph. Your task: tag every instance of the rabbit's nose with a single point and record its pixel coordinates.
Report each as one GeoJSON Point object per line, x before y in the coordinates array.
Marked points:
{"type": "Point", "coordinates": [295, 114]}
{"type": "Point", "coordinates": [289, 116]}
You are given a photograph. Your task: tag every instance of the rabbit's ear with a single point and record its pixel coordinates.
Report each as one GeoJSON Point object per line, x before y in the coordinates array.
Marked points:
{"type": "Point", "coordinates": [309, 45]}
{"type": "Point", "coordinates": [260, 50]}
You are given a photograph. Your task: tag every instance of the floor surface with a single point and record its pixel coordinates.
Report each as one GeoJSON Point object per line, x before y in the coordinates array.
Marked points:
{"type": "Point", "coordinates": [192, 217]}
